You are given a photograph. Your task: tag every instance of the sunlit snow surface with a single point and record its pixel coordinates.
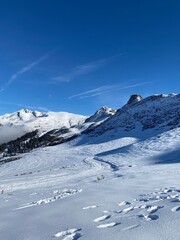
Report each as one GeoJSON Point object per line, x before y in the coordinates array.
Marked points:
{"type": "Point", "coordinates": [124, 188]}
{"type": "Point", "coordinates": [17, 124]}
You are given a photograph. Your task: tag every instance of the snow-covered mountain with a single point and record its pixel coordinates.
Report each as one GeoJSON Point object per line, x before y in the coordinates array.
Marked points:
{"type": "Point", "coordinates": [29, 121]}
{"type": "Point", "coordinates": [15, 125]}
{"type": "Point", "coordinates": [119, 179]}
{"type": "Point", "coordinates": [49, 126]}
{"type": "Point", "coordinates": [160, 112]}
{"type": "Point", "coordinates": [24, 115]}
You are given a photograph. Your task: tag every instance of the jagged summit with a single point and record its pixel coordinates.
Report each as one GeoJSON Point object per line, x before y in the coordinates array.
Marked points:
{"type": "Point", "coordinates": [102, 114]}
{"type": "Point", "coordinates": [105, 111]}
{"type": "Point", "coordinates": [27, 115]}
{"type": "Point", "coordinates": [134, 99]}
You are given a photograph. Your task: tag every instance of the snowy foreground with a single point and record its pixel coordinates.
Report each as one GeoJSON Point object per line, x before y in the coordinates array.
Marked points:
{"type": "Point", "coordinates": [126, 188]}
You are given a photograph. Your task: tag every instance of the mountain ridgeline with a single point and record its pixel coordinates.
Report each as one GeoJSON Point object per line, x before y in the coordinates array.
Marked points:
{"type": "Point", "coordinates": [24, 130]}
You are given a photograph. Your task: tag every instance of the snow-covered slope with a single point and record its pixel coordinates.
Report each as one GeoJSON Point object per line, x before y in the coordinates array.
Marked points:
{"type": "Point", "coordinates": [119, 182]}
{"type": "Point", "coordinates": [126, 188]}
{"type": "Point", "coordinates": [17, 124]}
{"type": "Point", "coordinates": [157, 111]}
{"type": "Point", "coordinates": [42, 121]}
{"type": "Point", "coordinates": [24, 115]}
{"type": "Point", "coordinates": [58, 124]}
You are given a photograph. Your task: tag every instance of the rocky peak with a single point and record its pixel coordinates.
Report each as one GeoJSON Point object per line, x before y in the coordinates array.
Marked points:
{"type": "Point", "coordinates": [27, 115]}
{"type": "Point", "coordinates": [105, 110]}
{"type": "Point", "coordinates": [134, 99]}
{"type": "Point", "coordinates": [102, 114]}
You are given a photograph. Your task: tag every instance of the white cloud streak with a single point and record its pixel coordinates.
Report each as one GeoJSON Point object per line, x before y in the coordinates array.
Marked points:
{"type": "Point", "coordinates": [25, 69]}
{"type": "Point", "coordinates": [83, 69]}
{"type": "Point", "coordinates": [106, 89]}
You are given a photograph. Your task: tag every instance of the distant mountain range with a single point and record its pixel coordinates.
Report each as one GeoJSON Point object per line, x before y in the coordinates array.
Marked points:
{"type": "Point", "coordinates": [24, 130]}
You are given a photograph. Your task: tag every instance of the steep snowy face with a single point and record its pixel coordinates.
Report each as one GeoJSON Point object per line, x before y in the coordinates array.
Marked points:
{"type": "Point", "coordinates": [157, 111]}
{"type": "Point", "coordinates": [101, 115]}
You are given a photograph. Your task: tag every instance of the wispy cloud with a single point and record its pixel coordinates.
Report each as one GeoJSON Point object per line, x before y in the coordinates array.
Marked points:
{"type": "Point", "coordinates": [25, 69]}
{"type": "Point", "coordinates": [83, 69]}
{"type": "Point", "coordinates": [106, 89]}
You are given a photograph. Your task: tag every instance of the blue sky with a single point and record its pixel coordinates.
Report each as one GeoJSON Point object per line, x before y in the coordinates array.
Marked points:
{"type": "Point", "coordinates": [77, 56]}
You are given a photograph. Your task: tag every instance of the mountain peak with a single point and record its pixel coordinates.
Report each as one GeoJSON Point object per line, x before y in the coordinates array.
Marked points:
{"type": "Point", "coordinates": [134, 99]}
{"type": "Point", "coordinates": [102, 114]}
{"type": "Point", "coordinates": [26, 114]}
{"type": "Point", "coordinates": [105, 109]}
{"type": "Point", "coordinates": [25, 110]}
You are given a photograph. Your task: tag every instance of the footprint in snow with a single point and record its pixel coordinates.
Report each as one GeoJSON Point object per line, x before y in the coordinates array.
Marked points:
{"type": "Point", "coordinates": [175, 200]}
{"type": "Point", "coordinates": [175, 209]}
{"type": "Point", "coordinates": [108, 225]}
{"type": "Point", "coordinates": [70, 234]}
{"type": "Point", "coordinates": [103, 218]}
{"type": "Point", "coordinates": [149, 217]}
{"type": "Point", "coordinates": [153, 209]}
{"type": "Point", "coordinates": [124, 203]}
{"type": "Point", "coordinates": [174, 196]}
{"type": "Point", "coordinates": [126, 210]}
{"type": "Point", "coordinates": [131, 227]}
{"type": "Point", "coordinates": [106, 211]}
{"type": "Point", "coordinates": [90, 207]}
{"type": "Point", "coordinates": [60, 194]}
{"type": "Point", "coordinates": [32, 194]}
{"type": "Point", "coordinates": [117, 211]}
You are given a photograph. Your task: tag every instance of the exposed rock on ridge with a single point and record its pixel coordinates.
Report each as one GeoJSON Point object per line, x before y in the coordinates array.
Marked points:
{"type": "Point", "coordinates": [134, 99]}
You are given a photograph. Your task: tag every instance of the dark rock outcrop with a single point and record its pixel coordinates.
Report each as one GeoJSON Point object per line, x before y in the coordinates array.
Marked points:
{"type": "Point", "coordinates": [134, 99]}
